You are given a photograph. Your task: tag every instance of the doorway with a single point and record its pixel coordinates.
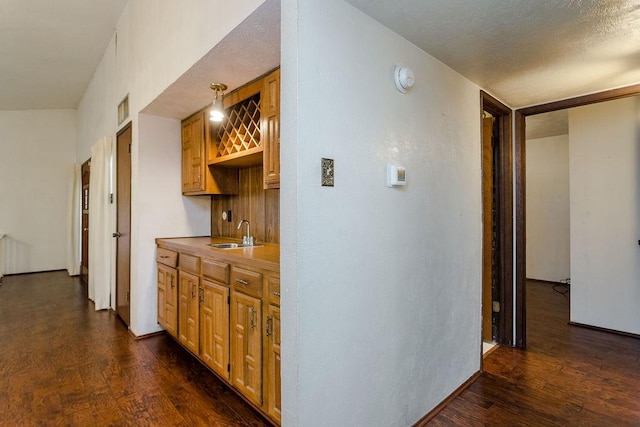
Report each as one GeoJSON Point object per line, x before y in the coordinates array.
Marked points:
{"type": "Point", "coordinates": [520, 185]}
{"type": "Point", "coordinates": [123, 224]}
{"type": "Point", "coordinates": [497, 234]}
{"type": "Point", "coordinates": [84, 262]}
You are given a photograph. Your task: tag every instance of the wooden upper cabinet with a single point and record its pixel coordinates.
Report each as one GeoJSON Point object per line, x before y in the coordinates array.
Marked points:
{"type": "Point", "coordinates": [271, 129]}
{"type": "Point", "coordinates": [197, 177]}
{"type": "Point", "coordinates": [193, 164]}
{"type": "Point", "coordinates": [250, 135]}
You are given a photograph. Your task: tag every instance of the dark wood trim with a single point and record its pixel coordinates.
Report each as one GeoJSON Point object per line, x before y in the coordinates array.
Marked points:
{"type": "Point", "coordinates": [431, 414]}
{"type": "Point", "coordinates": [521, 238]}
{"type": "Point", "coordinates": [610, 331]}
{"type": "Point", "coordinates": [504, 208]}
{"type": "Point", "coordinates": [520, 186]}
{"type": "Point", "coordinates": [608, 95]}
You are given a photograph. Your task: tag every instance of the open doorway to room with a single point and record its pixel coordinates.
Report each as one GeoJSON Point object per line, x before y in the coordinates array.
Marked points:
{"type": "Point", "coordinates": [497, 241]}
{"type": "Point", "coordinates": [582, 191]}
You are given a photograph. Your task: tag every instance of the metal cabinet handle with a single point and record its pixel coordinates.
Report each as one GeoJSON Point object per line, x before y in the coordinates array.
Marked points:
{"type": "Point", "coordinates": [277, 294]}
{"type": "Point", "coordinates": [252, 318]}
{"type": "Point", "coordinates": [193, 290]}
{"type": "Point", "coordinates": [171, 281]}
{"type": "Point", "coordinates": [164, 256]}
{"type": "Point", "coordinates": [242, 282]}
{"type": "Point", "coordinates": [269, 320]}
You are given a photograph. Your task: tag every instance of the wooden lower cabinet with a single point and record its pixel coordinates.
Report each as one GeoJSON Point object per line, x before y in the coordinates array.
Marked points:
{"type": "Point", "coordinates": [228, 316]}
{"type": "Point", "coordinates": [188, 311]}
{"type": "Point", "coordinates": [272, 343]}
{"type": "Point", "coordinates": [168, 298]}
{"type": "Point", "coordinates": [246, 345]}
{"type": "Point", "coordinates": [214, 327]}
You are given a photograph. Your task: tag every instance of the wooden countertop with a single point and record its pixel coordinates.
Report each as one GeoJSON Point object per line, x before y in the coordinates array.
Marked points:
{"type": "Point", "coordinates": [265, 256]}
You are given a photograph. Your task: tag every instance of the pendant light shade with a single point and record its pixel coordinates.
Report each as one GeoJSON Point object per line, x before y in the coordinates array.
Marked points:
{"type": "Point", "coordinates": [217, 109]}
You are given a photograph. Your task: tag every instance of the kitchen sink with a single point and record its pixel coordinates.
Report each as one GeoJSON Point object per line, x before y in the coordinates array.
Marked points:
{"type": "Point", "coordinates": [231, 245]}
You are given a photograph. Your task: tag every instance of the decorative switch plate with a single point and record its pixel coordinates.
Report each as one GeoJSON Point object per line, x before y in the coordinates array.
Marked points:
{"type": "Point", "coordinates": [327, 172]}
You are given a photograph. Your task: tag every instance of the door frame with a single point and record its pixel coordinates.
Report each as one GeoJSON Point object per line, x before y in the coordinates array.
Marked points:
{"type": "Point", "coordinates": [520, 187]}
{"type": "Point", "coordinates": [84, 220]}
{"type": "Point", "coordinates": [504, 212]}
{"type": "Point", "coordinates": [127, 317]}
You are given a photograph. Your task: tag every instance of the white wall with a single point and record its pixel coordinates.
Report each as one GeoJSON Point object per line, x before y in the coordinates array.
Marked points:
{"type": "Point", "coordinates": [157, 41]}
{"type": "Point", "coordinates": [548, 208]}
{"type": "Point", "coordinates": [37, 153]}
{"type": "Point", "coordinates": [382, 287]}
{"type": "Point", "coordinates": [605, 214]}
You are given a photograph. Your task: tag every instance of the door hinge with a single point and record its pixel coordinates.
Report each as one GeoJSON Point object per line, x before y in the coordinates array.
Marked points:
{"type": "Point", "coordinates": [496, 306]}
{"type": "Point", "coordinates": [111, 198]}
{"type": "Point", "coordinates": [129, 148]}
{"type": "Point", "coordinates": [128, 296]}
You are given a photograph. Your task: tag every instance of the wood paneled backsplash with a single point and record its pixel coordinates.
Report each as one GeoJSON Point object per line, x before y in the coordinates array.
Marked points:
{"type": "Point", "coordinates": [259, 206]}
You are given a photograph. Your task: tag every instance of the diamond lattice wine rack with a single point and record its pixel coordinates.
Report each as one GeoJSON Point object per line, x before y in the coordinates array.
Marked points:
{"type": "Point", "coordinates": [239, 134]}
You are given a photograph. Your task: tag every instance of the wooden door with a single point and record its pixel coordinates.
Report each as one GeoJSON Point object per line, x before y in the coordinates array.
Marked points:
{"type": "Point", "coordinates": [214, 327]}
{"type": "Point", "coordinates": [246, 350]}
{"type": "Point", "coordinates": [487, 229]}
{"type": "Point", "coordinates": [188, 313]}
{"type": "Point", "coordinates": [168, 299]}
{"type": "Point", "coordinates": [123, 227]}
{"type": "Point", "coordinates": [84, 263]}
{"type": "Point", "coordinates": [274, 407]}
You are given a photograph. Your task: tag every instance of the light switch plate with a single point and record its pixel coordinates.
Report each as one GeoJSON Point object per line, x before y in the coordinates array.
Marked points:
{"type": "Point", "coordinates": [327, 172]}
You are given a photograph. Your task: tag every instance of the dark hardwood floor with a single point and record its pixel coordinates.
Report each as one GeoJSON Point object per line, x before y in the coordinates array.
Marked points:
{"type": "Point", "coordinates": [62, 363]}
{"type": "Point", "coordinates": [568, 376]}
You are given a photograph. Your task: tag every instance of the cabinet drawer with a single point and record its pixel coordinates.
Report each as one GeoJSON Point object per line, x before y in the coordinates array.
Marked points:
{"type": "Point", "coordinates": [189, 263]}
{"type": "Point", "coordinates": [273, 283]}
{"type": "Point", "coordinates": [247, 281]}
{"type": "Point", "coordinates": [167, 257]}
{"type": "Point", "coordinates": [216, 270]}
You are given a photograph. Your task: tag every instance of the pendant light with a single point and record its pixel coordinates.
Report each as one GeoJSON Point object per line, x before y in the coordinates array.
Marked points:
{"type": "Point", "coordinates": [217, 109]}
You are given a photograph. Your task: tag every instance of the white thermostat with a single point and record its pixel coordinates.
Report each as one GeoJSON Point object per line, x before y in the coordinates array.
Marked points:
{"type": "Point", "coordinates": [396, 175]}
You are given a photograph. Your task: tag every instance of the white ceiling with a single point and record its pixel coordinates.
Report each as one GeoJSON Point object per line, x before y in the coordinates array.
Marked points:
{"type": "Point", "coordinates": [524, 52]}
{"type": "Point", "coordinates": [49, 49]}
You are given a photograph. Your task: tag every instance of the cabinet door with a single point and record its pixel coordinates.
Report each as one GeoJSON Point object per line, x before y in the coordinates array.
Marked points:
{"type": "Point", "coordinates": [193, 156]}
{"type": "Point", "coordinates": [273, 362]}
{"type": "Point", "coordinates": [271, 129]}
{"type": "Point", "coordinates": [188, 325]}
{"type": "Point", "coordinates": [167, 298]}
{"type": "Point", "coordinates": [214, 327]}
{"type": "Point", "coordinates": [246, 349]}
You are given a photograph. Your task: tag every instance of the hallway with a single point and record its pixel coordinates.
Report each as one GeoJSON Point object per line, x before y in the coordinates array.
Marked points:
{"type": "Point", "coordinates": [568, 376]}
{"type": "Point", "coordinates": [62, 363]}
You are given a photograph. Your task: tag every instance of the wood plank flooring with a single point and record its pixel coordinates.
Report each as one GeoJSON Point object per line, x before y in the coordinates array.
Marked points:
{"type": "Point", "coordinates": [568, 376]}
{"type": "Point", "coordinates": [62, 363]}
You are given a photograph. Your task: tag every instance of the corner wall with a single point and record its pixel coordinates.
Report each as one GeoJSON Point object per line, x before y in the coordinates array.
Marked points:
{"type": "Point", "coordinates": [37, 155]}
{"type": "Point", "coordinates": [381, 308]}
{"type": "Point", "coordinates": [155, 43]}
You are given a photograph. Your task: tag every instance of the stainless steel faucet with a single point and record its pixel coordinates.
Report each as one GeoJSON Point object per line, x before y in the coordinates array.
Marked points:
{"type": "Point", "coordinates": [248, 238]}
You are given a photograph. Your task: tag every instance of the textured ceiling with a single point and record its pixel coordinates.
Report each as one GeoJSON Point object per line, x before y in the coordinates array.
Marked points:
{"type": "Point", "coordinates": [524, 52]}
{"type": "Point", "coordinates": [49, 49]}
{"type": "Point", "coordinates": [250, 50]}
{"type": "Point", "coordinates": [547, 124]}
